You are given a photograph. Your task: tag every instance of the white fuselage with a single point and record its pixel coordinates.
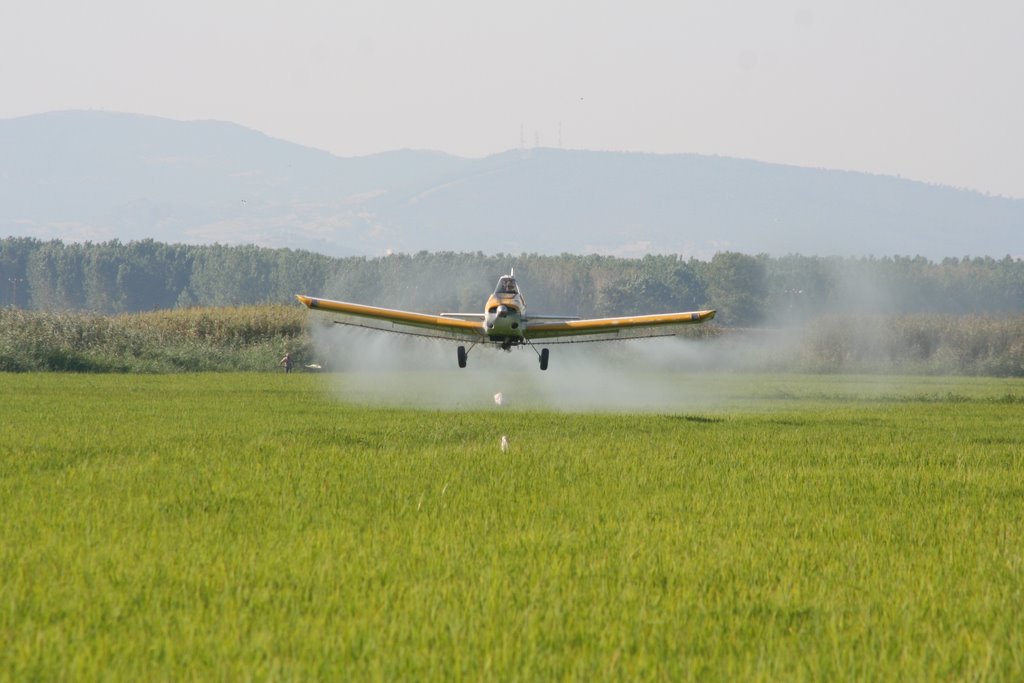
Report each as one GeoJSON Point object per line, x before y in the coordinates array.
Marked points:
{"type": "Point", "coordinates": [504, 314]}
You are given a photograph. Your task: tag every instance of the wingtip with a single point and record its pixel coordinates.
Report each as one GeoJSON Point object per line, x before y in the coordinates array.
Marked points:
{"type": "Point", "coordinates": [304, 300]}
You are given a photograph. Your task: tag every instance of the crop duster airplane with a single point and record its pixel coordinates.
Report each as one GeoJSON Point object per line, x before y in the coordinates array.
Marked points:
{"type": "Point", "coordinates": [504, 323]}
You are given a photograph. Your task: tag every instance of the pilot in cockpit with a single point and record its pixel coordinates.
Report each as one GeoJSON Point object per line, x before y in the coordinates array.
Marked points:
{"type": "Point", "coordinates": [507, 285]}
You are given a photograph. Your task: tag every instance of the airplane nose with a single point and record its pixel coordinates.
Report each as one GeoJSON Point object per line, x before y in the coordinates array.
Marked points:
{"type": "Point", "coordinates": [502, 311]}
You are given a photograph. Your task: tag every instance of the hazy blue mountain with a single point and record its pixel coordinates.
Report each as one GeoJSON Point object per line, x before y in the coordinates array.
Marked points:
{"type": "Point", "coordinates": [97, 176]}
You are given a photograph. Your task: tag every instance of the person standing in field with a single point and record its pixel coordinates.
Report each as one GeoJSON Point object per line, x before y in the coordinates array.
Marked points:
{"type": "Point", "coordinates": [286, 362]}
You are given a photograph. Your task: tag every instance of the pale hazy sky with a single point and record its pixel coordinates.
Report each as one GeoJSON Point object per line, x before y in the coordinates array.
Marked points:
{"type": "Point", "coordinates": [930, 90]}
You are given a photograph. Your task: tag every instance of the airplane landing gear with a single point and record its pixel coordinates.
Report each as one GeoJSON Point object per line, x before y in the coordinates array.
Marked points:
{"type": "Point", "coordinates": [462, 356]}
{"type": "Point", "coordinates": [544, 359]}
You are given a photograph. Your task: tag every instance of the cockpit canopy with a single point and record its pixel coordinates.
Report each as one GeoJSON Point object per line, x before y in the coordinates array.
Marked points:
{"type": "Point", "coordinates": [507, 285]}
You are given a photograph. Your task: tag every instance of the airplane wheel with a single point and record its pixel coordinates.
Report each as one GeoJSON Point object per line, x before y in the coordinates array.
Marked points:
{"type": "Point", "coordinates": [462, 356]}
{"type": "Point", "coordinates": [543, 359]}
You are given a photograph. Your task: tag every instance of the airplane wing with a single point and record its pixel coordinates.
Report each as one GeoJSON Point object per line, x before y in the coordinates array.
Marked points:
{"type": "Point", "coordinates": [603, 329]}
{"type": "Point", "coordinates": [481, 316]}
{"type": "Point", "coordinates": [552, 317]}
{"type": "Point", "coordinates": [464, 316]}
{"type": "Point", "coordinates": [392, 320]}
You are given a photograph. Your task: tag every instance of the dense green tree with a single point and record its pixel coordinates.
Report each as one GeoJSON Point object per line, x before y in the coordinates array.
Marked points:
{"type": "Point", "coordinates": [14, 257]}
{"type": "Point", "coordinates": [54, 272]}
{"type": "Point", "coordinates": [115, 277]}
{"type": "Point", "coordinates": [737, 286]}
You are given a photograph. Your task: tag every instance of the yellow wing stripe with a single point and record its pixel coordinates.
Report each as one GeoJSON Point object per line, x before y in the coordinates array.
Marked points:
{"type": "Point", "coordinates": [391, 315]}
{"type": "Point", "coordinates": [611, 325]}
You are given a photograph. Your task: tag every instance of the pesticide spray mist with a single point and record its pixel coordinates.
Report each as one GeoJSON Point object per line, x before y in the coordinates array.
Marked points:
{"type": "Point", "coordinates": [645, 375]}
{"type": "Point", "coordinates": [854, 333]}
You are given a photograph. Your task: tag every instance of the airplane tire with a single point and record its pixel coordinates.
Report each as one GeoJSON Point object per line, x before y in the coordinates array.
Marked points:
{"type": "Point", "coordinates": [462, 356]}
{"type": "Point", "coordinates": [544, 359]}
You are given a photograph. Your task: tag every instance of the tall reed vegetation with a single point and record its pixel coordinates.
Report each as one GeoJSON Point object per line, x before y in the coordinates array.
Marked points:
{"type": "Point", "coordinates": [253, 338]}
{"type": "Point", "coordinates": [247, 338]}
{"type": "Point", "coordinates": [917, 344]}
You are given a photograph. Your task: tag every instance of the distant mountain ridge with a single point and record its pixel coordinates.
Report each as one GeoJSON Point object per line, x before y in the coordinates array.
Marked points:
{"type": "Point", "coordinates": [94, 176]}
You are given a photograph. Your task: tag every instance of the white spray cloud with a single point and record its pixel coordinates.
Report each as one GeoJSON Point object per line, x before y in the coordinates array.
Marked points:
{"type": "Point", "coordinates": [653, 375]}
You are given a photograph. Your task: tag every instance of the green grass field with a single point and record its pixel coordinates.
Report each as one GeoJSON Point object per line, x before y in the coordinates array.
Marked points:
{"type": "Point", "coordinates": [252, 526]}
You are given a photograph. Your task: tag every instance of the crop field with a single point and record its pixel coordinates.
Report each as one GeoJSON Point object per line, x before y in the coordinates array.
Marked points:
{"type": "Point", "coordinates": [271, 526]}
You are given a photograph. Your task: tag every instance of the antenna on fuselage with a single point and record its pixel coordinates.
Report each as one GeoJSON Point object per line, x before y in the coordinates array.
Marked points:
{"type": "Point", "coordinates": [511, 272]}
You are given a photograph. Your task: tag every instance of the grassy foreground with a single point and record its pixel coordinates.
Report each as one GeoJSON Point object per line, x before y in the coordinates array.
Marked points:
{"type": "Point", "coordinates": [248, 526]}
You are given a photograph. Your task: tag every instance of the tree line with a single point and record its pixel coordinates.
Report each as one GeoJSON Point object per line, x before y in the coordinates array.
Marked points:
{"type": "Point", "coordinates": [747, 290]}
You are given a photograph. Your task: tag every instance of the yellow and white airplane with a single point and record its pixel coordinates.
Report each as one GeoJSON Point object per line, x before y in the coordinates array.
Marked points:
{"type": "Point", "coordinates": [504, 323]}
